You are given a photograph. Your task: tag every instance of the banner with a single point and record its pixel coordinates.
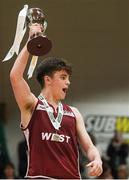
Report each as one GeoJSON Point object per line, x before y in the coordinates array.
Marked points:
{"type": "Point", "coordinates": [103, 127]}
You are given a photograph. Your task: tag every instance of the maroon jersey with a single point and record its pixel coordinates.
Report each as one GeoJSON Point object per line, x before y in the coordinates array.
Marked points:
{"type": "Point", "coordinates": [48, 158]}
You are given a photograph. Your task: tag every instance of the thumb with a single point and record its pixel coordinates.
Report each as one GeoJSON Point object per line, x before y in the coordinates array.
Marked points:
{"type": "Point", "coordinates": [90, 164]}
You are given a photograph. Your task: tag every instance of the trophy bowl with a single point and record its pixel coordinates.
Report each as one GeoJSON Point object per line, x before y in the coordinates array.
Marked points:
{"type": "Point", "coordinates": [38, 44]}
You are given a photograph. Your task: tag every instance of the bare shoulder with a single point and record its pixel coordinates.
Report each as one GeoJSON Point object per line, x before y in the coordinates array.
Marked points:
{"type": "Point", "coordinates": [26, 113]}
{"type": "Point", "coordinates": [76, 112]}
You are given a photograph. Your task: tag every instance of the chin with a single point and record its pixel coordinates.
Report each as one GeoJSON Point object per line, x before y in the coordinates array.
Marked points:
{"type": "Point", "coordinates": [62, 97]}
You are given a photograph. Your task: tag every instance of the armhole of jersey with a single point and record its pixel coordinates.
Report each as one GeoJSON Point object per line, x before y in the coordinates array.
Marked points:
{"type": "Point", "coordinates": [73, 112]}
{"type": "Point", "coordinates": [22, 128]}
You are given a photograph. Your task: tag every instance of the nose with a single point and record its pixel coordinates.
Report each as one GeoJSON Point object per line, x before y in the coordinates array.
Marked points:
{"type": "Point", "coordinates": [68, 82]}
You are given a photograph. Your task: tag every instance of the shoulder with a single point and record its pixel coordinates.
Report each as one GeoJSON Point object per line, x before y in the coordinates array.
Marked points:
{"type": "Point", "coordinates": [80, 124]}
{"type": "Point", "coordinates": [76, 112]}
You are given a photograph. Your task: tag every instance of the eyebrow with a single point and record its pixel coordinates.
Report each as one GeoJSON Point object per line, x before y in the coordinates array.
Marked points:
{"type": "Point", "coordinates": [64, 75]}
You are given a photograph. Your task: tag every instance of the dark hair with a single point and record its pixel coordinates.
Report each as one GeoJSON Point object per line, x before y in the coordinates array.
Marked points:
{"type": "Point", "coordinates": [49, 65]}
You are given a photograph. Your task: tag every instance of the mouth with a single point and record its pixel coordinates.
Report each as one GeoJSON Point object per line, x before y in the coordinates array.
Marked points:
{"type": "Point", "coordinates": [65, 90]}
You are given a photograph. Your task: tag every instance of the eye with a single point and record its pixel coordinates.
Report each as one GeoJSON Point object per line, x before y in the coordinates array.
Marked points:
{"type": "Point", "coordinates": [63, 77]}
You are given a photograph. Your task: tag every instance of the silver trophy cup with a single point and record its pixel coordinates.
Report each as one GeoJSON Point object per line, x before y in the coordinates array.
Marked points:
{"type": "Point", "coordinates": [38, 44]}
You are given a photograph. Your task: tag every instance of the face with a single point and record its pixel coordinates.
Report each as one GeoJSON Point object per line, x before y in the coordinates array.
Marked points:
{"type": "Point", "coordinates": [123, 172]}
{"type": "Point", "coordinates": [59, 84]}
{"type": "Point", "coordinates": [9, 171]}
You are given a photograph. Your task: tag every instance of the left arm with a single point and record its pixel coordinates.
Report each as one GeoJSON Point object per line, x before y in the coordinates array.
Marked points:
{"type": "Point", "coordinates": [95, 165]}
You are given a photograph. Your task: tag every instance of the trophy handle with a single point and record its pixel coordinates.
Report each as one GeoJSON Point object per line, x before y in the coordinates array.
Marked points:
{"type": "Point", "coordinates": [39, 46]}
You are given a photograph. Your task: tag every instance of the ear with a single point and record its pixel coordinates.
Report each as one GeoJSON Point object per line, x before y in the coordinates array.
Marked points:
{"type": "Point", "coordinates": [47, 80]}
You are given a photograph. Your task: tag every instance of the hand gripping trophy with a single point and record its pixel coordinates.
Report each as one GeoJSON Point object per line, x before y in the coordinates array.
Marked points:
{"type": "Point", "coordinates": [39, 44]}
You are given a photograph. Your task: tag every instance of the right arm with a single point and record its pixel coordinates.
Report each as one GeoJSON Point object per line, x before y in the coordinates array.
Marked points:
{"type": "Point", "coordinates": [24, 97]}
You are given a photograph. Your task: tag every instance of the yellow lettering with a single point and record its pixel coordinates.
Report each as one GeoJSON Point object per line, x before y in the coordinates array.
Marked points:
{"type": "Point", "coordinates": [122, 124]}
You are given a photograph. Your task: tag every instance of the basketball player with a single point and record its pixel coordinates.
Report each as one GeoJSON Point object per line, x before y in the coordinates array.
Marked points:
{"type": "Point", "coordinates": [52, 129]}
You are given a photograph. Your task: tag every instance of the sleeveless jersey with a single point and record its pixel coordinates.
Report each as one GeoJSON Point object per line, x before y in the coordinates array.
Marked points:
{"type": "Point", "coordinates": [48, 158]}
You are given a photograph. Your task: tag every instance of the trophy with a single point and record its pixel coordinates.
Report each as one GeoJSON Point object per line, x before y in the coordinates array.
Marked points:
{"type": "Point", "coordinates": [38, 44]}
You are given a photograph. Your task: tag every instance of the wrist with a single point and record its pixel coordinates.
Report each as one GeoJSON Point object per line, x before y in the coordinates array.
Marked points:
{"type": "Point", "coordinates": [99, 160]}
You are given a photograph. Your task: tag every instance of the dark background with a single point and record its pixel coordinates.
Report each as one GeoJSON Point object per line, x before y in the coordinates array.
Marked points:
{"type": "Point", "coordinates": [92, 34]}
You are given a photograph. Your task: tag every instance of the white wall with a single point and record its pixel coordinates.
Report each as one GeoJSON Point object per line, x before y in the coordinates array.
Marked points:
{"type": "Point", "coordinates": [115, 103]}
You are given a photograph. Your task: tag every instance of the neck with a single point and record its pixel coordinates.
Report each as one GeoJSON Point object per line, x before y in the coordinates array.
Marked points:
{"type": "Point", "coordinates": [50, 98]}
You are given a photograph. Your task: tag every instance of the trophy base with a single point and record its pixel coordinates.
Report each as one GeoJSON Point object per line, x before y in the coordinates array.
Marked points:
{"type": "Point", "coordinates": [39, 46]}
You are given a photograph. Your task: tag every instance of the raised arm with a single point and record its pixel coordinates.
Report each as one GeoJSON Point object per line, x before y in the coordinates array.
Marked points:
{"type": "Point", "coordinates": [25, 99]}
{"type": "Point", "coordinates": [95, 165]}
{"type": "Point", "coordinates": [21, 90]}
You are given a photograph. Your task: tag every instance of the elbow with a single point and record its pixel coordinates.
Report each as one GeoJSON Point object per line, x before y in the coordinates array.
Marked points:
{"type": "Point", "coordinates": [13, 77]}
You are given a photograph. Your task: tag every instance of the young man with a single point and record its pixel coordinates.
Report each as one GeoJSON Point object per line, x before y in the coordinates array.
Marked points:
{"type": "Point", "coordinates": [52, 129]}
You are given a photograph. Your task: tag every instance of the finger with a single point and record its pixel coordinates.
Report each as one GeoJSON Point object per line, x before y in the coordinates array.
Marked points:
{"type": "Point", "coordinates": [35, 24]}
{"type": "Point", "coordinates": [93, 172]}
{"type": "Point", "coordinates": [90, 164]}
{"type": "Point", "coordinates": [96, 171]}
